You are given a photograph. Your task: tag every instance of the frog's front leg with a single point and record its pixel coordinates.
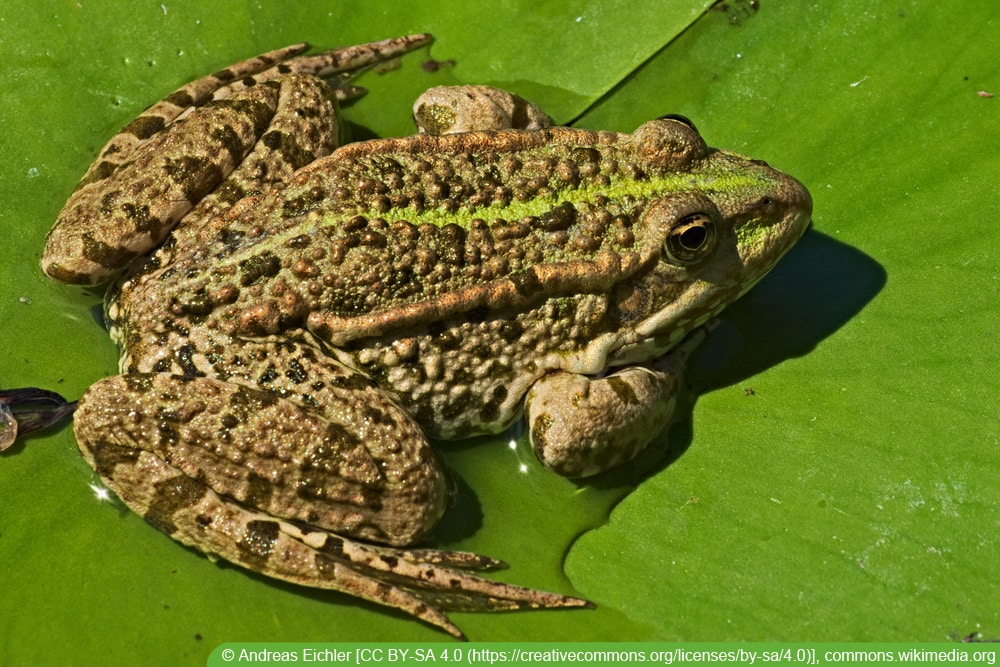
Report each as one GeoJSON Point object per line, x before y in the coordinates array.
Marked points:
{"type": "Point", "coordinates": [268, 484]}
{"type": "Point", "coordinates": [581, 426]}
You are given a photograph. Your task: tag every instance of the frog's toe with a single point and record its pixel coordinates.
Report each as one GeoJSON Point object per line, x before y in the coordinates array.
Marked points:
{"type": "Point", "coordinates": [422, 582]}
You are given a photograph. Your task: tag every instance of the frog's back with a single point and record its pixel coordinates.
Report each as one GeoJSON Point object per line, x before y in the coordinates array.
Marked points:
{"type": "Point", "coordinates": [402, 232]}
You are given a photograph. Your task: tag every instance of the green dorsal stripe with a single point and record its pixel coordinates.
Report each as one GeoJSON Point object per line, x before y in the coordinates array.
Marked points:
{"type": "Point", "coordinates": [538, 206]}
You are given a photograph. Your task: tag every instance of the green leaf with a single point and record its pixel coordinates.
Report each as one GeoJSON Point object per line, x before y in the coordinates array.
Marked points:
{"type": "Point", "coordinates": [852, 495]}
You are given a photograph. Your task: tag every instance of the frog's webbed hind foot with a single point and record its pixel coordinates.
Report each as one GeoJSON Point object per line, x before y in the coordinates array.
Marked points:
{"type": "Point", "coordinates": [422, 582]}
{"type": "Point", "coordinates": [430, 582]}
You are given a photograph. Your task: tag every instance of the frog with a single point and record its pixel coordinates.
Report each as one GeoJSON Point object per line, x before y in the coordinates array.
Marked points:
{"type": "Point", "coordinates": [299, 320]}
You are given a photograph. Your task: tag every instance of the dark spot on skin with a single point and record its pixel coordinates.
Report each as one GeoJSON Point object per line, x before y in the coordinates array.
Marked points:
{"type": "Point", "coordinates": [510, 330]}
{"type": "Point", "coordinates": [107, 455]}
{"type": "Point", "coordinates": [268, 376]}
{"type": "Point", "coordinates": [173, 495]}
{"type": "Point", "coordinates": [491, 409]}
{"type": "Point", "coordinates": [139, 383]}
{"type": "Point", "coordinates": [139, 215]}
{"type": "Point", "coordinates": [224, 75]}
{"type": "Point", "coordinates": [424, 414]}
{"type": "Point", "coordinates": [175, 325]}
{"type": "Point", "coordinates": [230, 192]}
{"type": "Point", "coordinates": [198, 303]}
{"type": "Point", "coordinates": [169, 416]}
{"type": "Point", "coordinates": [391, 561]}
{"type": "Point", "coordinates": [296, 207]}
{"type": "Point", "coordinates": [334, 546]}
{"type": "Point", "coordinates": [107, 256]}
{"type": "Point", "coordinates": [339, 437]}
{"type": "Point", "coordinates": [264, 265]}
{"type": "Point", "coordinates": [231, 239]}
{"type": "Point", "coordinates": [623, 390]}
{"type": "Point", "coordinates": [288, 147]}
{"type": "Point", "coordinates": [168, 434]}
{"type": "Point", "coordinates": [196, 176]}
{"type": "Point", "coordinates": [185, 361]}
{"type": "Point", "coordinates": [259, 490]}
{"type": "Point", "coordinates": [180, 98]}
{"type": "Point", "coordinates": [326, 567]}
{"type": "Point", "coordinates": [455, 407]}
{"type": "Point", "coordinates": [256, 110]}
{"type": "Point", "coordinates": [311, 487]}
{"type": "Point", "coordinates": [99, 172]}
{"type": "Point", "coordinates": [526, 282]}
{"type": "Point", "coordinates": [296, 373]}
{"type": "Point", "coordinates": [66, 276]}
{"type": "Point", "coordinates": [108, 200]}
{"type": "Point", "coordinates": [246, 402]}
{"type": "Point", "coordinates": [258, 542]}
{"type": "Point", "coordinates": [230, 141]}
{"type": "Point", "coordinates": [351, 382]}
{"type": "Point", "coordinates": [559, 218]}
{"type": "Point", "coordinates": [144, 127]}
{"type": "Point", "coordinates": [376, 416]}
{"type": "Point", "coordinates": [539, 428]}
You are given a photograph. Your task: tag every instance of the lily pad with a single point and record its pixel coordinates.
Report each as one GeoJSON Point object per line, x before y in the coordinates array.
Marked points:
{"type": "Point", "coordinates": [837, 476]}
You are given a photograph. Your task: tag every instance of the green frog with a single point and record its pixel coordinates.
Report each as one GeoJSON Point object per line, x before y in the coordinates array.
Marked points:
{"type": "Point", "coordinates": [296, 318]}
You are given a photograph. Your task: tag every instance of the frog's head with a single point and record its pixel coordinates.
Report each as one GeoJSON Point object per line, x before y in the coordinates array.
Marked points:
{"type": "Point", "coordinates": [722, 221]}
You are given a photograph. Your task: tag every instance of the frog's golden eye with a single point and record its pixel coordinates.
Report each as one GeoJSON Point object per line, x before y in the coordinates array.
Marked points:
{"type": "Point", "coordinates": [690, 239]}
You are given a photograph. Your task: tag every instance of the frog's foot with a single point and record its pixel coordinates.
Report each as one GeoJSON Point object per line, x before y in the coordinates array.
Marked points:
{"type": "Point", "coordinates": [25, 410]}
{"type": "Point", "coordinates": [233, 133]}
{"type": "Point", "coordinates": [581, 426]}
{"type": "Point", "coordinates": [423, 583]}
{"type": "Point", "coordinates": [276, 487]}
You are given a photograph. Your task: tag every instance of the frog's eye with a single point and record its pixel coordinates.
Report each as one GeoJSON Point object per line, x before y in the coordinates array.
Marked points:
{"type": "Point", "coordinates": [680, 119]}
{"type": "Point", "coordinates": [690, 239]}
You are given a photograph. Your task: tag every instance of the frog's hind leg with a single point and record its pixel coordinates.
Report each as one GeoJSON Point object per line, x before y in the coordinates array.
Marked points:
{"type": "Point", "coordinates": [222, 84]}
{"type": "Point", "coordinates": [230, 134]}
{"type": "Point", "coordinates": [276, 487]}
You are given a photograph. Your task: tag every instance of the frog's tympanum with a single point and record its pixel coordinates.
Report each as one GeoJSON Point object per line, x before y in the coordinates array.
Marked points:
{"type": "Point", "coordinates": [295, 319]}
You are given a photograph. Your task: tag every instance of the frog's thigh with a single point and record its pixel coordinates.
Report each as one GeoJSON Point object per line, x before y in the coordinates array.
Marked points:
{"type": "Point", "coordinates": [377, 480]}
{"type": "Point", "coordinates": [581, 426]}
{"type": "Point", "coordinates": [303, 129]}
